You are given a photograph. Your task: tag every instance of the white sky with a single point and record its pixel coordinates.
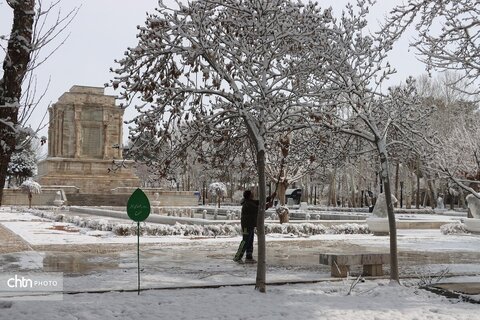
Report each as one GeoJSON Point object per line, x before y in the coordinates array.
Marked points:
{"type": "Point", "coordinates": [103, 29]}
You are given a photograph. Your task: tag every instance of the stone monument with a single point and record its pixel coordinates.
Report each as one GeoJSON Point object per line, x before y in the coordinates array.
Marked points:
{"type": "Point", "coordinates": [84, 137]}
{"type": "Point", "coordinates": [473, 224]}
{"type": "Point", "coordinates": [378, 222]}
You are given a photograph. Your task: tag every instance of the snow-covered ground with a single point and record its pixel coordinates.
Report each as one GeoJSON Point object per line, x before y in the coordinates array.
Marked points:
{"type": "Point", "coordinates": [185, 261]}
{"type": "Point", "coordinates": [329, 300]}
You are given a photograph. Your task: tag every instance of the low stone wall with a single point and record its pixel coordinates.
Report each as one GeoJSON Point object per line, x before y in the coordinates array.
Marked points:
{"type": "Point", "coordinates": [166, 197]}
{"type": "Point", "coordinates": [17, 197]}
{"type": "Point", "coordinates": [117, 198]}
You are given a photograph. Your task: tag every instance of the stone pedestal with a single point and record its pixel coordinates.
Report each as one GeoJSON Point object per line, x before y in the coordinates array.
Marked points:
{"type": "Point", "coordinates": [88, 175]}
{"type": "Point", "coordinates": [472, 225]}
{"type": "Point", "coordinates": [378, 226]}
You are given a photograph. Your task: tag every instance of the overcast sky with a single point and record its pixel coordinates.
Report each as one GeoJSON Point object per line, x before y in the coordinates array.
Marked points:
{"type": "Point", "coordinates": [103, 29]}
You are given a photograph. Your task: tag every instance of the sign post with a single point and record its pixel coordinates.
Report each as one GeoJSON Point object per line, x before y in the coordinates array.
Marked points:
{"type": "Point", "coordinates": [138, 209]}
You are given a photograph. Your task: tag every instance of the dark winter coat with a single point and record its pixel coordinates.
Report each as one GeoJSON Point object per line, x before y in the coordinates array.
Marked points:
{"type": "Point", "coordinates": [249, 213]}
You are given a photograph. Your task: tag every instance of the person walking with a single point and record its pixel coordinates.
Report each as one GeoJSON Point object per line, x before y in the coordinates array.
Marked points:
{"type": "Point", "coordinates": [248, 224]}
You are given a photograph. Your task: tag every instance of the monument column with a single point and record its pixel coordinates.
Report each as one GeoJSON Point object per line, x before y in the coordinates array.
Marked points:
{"type": "Point", "coordinates": [51, 130]}
{"type": "Point", "coordinates": [120, 137]}
{"type": "Point", "coordinates": [105, 134]}
{"type": "Point", "coordinates": [78, 131]}
{"type": "Point", "coordinates": [58, 134]}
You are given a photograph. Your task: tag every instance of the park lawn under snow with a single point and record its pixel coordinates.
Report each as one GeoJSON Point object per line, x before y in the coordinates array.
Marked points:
{"type": "Point", "coordinates": [325, 300]}
{"type": "Point", "coordinates": [372, 299]}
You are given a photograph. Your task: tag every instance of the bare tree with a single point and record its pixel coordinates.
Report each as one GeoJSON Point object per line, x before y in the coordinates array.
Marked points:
{"type": "Point", "coordinates": [448, 36]}
{"type": "Point", "coordinates": [455, 123]}
{"type": "Point", "coordinates": [353, 101]}
{"type": "Point", "coordinates": [222, 69]}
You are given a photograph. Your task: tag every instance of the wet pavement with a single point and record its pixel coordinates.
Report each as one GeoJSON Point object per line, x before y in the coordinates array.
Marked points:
{"type": "Point", "coordinates": [208, 261]}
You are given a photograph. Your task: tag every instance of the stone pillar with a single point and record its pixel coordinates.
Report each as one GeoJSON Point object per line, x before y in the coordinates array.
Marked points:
{"type": "Point", "coordinates": [105, 134]}
{"type": "Point", "coordinates": [78, 131]}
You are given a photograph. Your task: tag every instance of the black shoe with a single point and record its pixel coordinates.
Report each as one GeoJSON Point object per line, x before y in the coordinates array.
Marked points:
{"type": "Point", "coordinates": [250, 260]}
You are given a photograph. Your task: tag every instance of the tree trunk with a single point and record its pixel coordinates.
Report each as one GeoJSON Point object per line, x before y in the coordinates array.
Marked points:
{"type": "Point", "coordinates": [332, 197]}
{"type": "Point", "coordinates": [260, 283]}
{"type": "Point", "coordinates": [282, 187]}
{"type": "Point", "coordinates": [417, 199]}
{"type": "Point", "coordinates": [30, 196]}
{"type": "Point", "coordinates": [14, 70]}
{"type": "Point", "coordinates": [452, 200]}
{"type": "Point", "coordinates": [397, 180]}
{"type": "Point", "coordinates": [353, 190]}
{"type": "Point", "coordinates": [461, 199]}
{"type": "Point", "coordinates": [312, 194]}
{"type": "Point", "coordinates": [381, 145]}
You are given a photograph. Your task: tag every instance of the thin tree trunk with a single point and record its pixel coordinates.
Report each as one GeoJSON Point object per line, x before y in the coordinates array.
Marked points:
{"type": "Point", "coordinates": [461, 199]}
{"type": "Point", "coordinates": [260, 283]}
{"type": "Point", "coordinates": [381, 145]}
{"type": "Point", "coordinates": [332, 197]}
{"type": "Point", "coordinates": [452, 200]}
{"type": "Point", "coordinates": [353, 193]}
{"type": "Point", "coordinates": [282, 187]}
{"type": "Point", "coordinates": [417, 199]}
{"type": "Point", "coordinates": [397, 180]}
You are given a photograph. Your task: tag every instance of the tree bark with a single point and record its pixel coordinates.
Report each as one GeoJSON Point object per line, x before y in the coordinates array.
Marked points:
{"type": "Point", "coordinates": [260, 283]}
{"type": "Point", "coordinates": [30, 196]}
{"type": "Point", "coordinates": [397, 180]}
{"type": "Point", "coordinates": [15, 67]}
{"type": "Point", "coordinates": [282, 188]}
{"type": "Point", "coordinates": [381, 145]}
{"type": "Point", "coordinates": [332, 197]}
{"type": "Point", "coordinates": [417, 200]}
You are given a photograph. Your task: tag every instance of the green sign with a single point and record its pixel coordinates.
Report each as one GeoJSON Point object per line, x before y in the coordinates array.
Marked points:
{"type": "Point", "coordinates": [138, 206]}
{"type": "Point", "coordinates": [138, 209]}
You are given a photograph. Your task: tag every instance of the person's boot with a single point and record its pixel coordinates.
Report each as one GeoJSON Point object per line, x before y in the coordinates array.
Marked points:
{"type": "Point", "coordinates": [238, 260]}
{"type": "Point", "coordinates": [249, 259]}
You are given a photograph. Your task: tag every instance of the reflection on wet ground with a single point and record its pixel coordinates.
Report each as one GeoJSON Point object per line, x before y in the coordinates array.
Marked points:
{"type": "Point", "coordinates": [217, 256]}
{"type": "Point", "coordinates": [77, 262]}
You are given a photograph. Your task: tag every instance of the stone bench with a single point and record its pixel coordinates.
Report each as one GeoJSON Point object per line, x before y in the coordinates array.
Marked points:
{"type": "Point", "coordinates": [340, 263]}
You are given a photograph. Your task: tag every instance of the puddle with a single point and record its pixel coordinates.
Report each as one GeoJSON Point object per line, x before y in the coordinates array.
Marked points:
{"type": "Point", "coordinates": [471, 288]}
{"type": "Point", "coordinates": [462, 291]}
{"type": "Point", "coordinates": [77, 263]}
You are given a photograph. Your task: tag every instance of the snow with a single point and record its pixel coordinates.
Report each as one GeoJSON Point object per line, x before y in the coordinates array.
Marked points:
{"type": "Point", "coordinates": [31, 186]}
{"type": "Point", "coordinates": [370, 300]}
{"type": "Point", "coordinates": [183, 262]}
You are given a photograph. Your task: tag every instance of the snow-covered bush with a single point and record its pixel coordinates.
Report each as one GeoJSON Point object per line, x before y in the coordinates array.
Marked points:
{"type": "Point", "coordinates": [295, 229]}
{"type": "Point", "coordinates": [213, 230]}
{"type": "Point", "coordinates": [453, 228]}
{"type": "Point", "coordinates": [350, 228]}
{"type": "Point", "coordinates": [30, 187]}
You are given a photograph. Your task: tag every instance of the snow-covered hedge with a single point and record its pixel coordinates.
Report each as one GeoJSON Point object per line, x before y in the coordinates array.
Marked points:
{"type": "Point", "coordinates": [453, 228]}
{"type": "Point", "coordinates": [211, 230]}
